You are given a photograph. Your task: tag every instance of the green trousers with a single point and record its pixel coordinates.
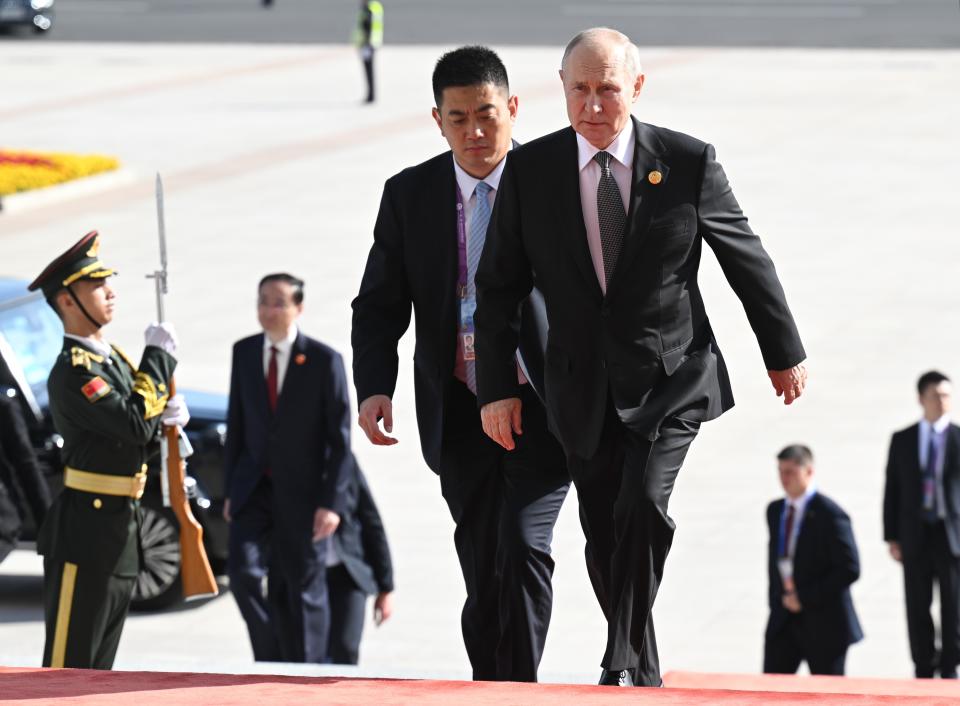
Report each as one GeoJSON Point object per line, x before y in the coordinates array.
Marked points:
{"type": "Point", "coordinates": [84, 613]}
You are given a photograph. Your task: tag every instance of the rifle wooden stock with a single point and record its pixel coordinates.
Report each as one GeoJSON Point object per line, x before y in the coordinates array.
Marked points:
{"type": "Point", "coordinates": [196, 575]}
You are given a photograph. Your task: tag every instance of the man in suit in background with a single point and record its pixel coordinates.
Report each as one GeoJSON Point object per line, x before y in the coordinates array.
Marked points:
{"type": "Point", "coordinates": [427, 242]}
{"type": "Point", "coordinates": [921, 524]}
{"type": "Point", "coordinates": [607, 218]}
{"type": "Point", "coordinates": [287, 464]}
{"type": "Point", "coordinates": [812, 561]}
{"type": "Point", "coordinates": [358, 565]}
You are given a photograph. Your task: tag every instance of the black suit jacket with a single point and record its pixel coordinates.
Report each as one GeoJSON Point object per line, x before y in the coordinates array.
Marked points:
{"type": "Point", "coordinates": [360, 540]}
{"type": "Point", "coordinates": [825, 564]}
{"type": "Point", "coordinates": [648, 341]}
{"type": "Point", "coordinates": [413, 261]}
{"type": "Point", "coordinates": [305, 444]}
{"type": "Point", "coordinates": [903, 494]}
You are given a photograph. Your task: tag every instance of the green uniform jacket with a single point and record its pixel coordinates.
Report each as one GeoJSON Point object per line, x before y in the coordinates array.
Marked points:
{"type": "Point", "coordinates": [107, 412]}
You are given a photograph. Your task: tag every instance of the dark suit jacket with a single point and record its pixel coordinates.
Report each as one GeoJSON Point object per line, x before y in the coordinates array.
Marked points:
{"type": "Point", "coordinates": [903, 495]}
{"type": "Point", "coordinates": [305, 444]}
{"type": "Point", "coordinates": [648, 341]}
{"type": "Point", "coordinates": [360, 540]}
{"type": "Point", "coordinates": [413, 261]}
{"type": "Point", "coordinates": [825, 563]}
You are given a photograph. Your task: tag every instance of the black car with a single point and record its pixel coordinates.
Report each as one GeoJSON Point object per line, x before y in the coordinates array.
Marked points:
{"type": "Point", "coordinates": [37, 14]}
{"type": "Point", "coordinates": [31, 337]}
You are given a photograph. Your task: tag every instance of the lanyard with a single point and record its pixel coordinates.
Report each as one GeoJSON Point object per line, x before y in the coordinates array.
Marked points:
{"type": "Point", "coordinates": [462, 246]}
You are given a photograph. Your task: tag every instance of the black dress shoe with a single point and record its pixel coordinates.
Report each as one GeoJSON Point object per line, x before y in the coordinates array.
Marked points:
{"type": "Point", "coordinates": [616, 678]}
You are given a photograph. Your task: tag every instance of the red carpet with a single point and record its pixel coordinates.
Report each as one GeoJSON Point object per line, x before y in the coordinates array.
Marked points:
{"type": "Point", "coordinates": [71, 686]}
{"type": "Point", "coordinates": [822, 685]}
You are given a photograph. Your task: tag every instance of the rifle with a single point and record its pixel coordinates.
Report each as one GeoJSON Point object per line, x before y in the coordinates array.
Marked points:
{"type": "Point", "coordinates": [196, 577]}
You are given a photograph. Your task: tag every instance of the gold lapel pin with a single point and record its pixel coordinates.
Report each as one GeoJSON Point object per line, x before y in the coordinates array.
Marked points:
{"type": "Point", "coordinates": [654, 177]}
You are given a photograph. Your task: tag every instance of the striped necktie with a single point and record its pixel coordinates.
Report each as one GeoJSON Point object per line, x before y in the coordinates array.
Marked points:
{"type": "Point", "coordinates": [475, 240]}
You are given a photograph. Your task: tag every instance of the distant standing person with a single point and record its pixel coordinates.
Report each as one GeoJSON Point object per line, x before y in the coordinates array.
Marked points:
{"type": "Point", "coordinates": [369, 37]}
{"type": "Point", "coordinates": [358, 565]}
{"type": "Point", "coordinates": [287, 463]}
{"type": "Point", "coordinates": [921, 524]}
{"type": "Point", "coordinates": [813, 560]}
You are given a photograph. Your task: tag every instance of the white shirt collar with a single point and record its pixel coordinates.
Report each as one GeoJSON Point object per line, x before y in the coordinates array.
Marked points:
{"type": "Point", "coordinates": [621, 149]}
{"type": "Point", "coordinates": [468, 183]}
{"type": "Point", "coordinates": [938, 426]}
{"type": "Point", "coordinates": [800, 504]}
{"type": "Point", "coordinates": [284, 345]}
{"type": "Point", "coordinates": [99, 345]}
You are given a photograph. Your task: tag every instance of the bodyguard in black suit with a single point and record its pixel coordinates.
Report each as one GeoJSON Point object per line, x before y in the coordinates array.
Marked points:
{"type": "Point", "coordinates": [358, 565]}
{"type": "Point", "coordinates": [921, 524]}
{"type": "Point", "coordinates": [287, 465]}
{"type": "Point", "coordinates": [812, 561]}
{"type": "Point", "coordinates": [607, 219]}
{"type": "Point", "coordinates": [427, 240]}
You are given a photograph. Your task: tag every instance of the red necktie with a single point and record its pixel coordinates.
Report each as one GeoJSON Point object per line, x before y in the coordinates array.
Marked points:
{"type": "Point", "coordinates": [788, 530]}
{"type": "Point", "coordinates": [272, 379]}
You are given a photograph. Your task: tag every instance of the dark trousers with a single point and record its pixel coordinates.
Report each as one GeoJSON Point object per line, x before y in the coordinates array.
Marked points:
{"type": "Point", "coordinates": [279, 583]}
{"type": "Point", "coordinates": [784, 651]}
{"type": "Point", "coordinates": [933, 560]}
{"type": "Point", "coordinates": [505, 505]}
{"type": "Point", "coordinates": [84, 612]}
{"type": "Point", "coordinates": [624, 491]}
{"type": "Point", "coordinates": [348, 605]}
{"type": "Point", "coordinates": [367, 58]}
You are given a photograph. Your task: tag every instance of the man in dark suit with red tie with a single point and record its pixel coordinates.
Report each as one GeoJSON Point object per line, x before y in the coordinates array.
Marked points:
{"type": "Point", "coordinates": [427, 241]}
{"type": "Point", "coordinates": [921, 524]}
{"type": "Point", "coordinates": [812, 561]}
{"type": "Point", "coordinates": [608, 218]}
{"type": "Point", "coordinates": [287, 465]}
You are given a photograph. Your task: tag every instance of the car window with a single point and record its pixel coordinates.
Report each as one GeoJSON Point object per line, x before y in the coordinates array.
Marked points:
{"type": "Point", "coordinates": [35, 334]}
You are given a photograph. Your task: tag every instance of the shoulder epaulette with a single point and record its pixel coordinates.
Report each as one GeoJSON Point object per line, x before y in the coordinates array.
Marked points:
{"type": "Point", "coordinates": [81, 357]}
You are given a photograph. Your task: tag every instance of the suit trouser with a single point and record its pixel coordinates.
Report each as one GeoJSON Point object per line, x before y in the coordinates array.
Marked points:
{"type": "Point", "coordinates": [933, 560]}
{"type": "Point", "coordinates": [282, 594]}
{"type": "Point", "coordinates": [348, 604]}
{"type": "Point", "coordinates": [505, 505]}
{"type": "Point", "coordinates": [624, 490]}
{"type": "Point", "coordinates": [367, 59]}
{"type": "Point", "coordinates": [84, 612]}
{"type": "Point", "coordinates": [784, 651]}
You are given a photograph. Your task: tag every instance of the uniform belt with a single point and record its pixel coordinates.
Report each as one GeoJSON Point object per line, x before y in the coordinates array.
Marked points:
{"type": "Point", "coordinates": [126, 486]}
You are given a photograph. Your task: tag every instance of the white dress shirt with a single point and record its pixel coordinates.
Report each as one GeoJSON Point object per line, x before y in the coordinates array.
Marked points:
{"type": "Point", "coordinates": [938, 428]}
{"type": "Point", "coordinates": [100, 346]}
{"type": "Point", "coordinates": [284, 346]}
{"type": "Point", "coordinates": [621, 149]}
{"type": "Point", "coordinates": [468, 186]}
{"type": "Point", "coordinates": [785, 564]}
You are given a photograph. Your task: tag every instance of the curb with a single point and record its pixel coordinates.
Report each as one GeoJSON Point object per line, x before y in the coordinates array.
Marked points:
{"type": "Point", "coordinates": [50, 195]}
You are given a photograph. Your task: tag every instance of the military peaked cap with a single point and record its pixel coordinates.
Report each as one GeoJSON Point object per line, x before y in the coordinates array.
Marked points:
{"type": "Point", "coordinates": [81, 261]}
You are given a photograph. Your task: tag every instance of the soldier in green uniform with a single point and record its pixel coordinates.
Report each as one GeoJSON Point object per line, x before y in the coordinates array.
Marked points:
{"type": "Point", "coordinates": [108, 412]}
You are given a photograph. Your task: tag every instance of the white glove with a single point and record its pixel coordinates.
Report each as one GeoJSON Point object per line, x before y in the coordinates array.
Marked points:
{"type": "Point", "coordinates": [162, 336]}
{"type": "Point", "coordinates": [176, 412]}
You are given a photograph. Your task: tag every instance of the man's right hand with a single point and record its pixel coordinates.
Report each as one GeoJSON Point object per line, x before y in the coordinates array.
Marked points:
{"type": "Point", "coordinates": [372, 410]}
{"type": "Point", "coordinates": [501, 420]}
{"type": "Point", "coordinates": [895, 551]}
{"type": "Point", "coordinates": [162, 336]}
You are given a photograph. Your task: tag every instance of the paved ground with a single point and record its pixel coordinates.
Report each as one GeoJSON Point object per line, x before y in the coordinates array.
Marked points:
{"type": "Point", "coordinates": [845, 161]}
{"type": "Point", "coordinates": [767, 23]}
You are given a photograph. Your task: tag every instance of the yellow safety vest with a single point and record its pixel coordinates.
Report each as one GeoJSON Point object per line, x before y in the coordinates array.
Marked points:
{"type": "Point", "coordinates": [376, 26]}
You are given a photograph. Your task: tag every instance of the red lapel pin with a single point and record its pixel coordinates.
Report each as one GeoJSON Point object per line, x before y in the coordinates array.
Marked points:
{"type": "Point", "coordinates": [300, 359]}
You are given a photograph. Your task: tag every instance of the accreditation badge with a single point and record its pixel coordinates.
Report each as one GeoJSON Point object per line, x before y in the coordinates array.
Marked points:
{"type": "Point", "coordinates": [785, 565]}
{"type": "Point", "coordinates": [468, 306]}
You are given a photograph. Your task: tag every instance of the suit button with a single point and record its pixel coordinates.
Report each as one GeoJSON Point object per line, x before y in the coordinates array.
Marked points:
{"type": "Point", "coordinates": [97, 503]}
{"type": "Point", "coordinates": [603, 364]}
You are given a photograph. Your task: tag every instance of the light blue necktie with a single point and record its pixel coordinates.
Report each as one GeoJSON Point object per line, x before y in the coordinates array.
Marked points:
{"type": "Point", "coordinates": [475, 240]}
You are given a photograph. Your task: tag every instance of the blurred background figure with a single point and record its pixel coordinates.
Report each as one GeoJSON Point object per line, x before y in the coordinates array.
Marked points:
{"type": "Point", "coordinates": [813, 560]}
{"type": "Point", "coordinates": [21, 482]}
{"type": "Point", "coordinates": [921, 524]}
{"type": "Point", "coordinates": [287, 466]}
{"type": "Point", "coordinates": [358, 565]}
{"type": "Point", "coordinates": [368, 37]}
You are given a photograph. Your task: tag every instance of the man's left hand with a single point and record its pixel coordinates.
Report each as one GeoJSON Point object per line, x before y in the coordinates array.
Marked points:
{"type": "Point", "coordinates": [789, 384]}
{"type": "Point", "coordinates": [325, 523]}
{"type": "Point", "coordinates": [501, 420]}
{"type": "Point", "coordinates": [791, 602]}
{"type": "Point", "coordinates": [382, 608]}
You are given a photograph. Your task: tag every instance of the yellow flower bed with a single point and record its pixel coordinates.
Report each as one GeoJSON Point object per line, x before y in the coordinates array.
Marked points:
{"type": "Point", "coordinates": [22, 171]}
